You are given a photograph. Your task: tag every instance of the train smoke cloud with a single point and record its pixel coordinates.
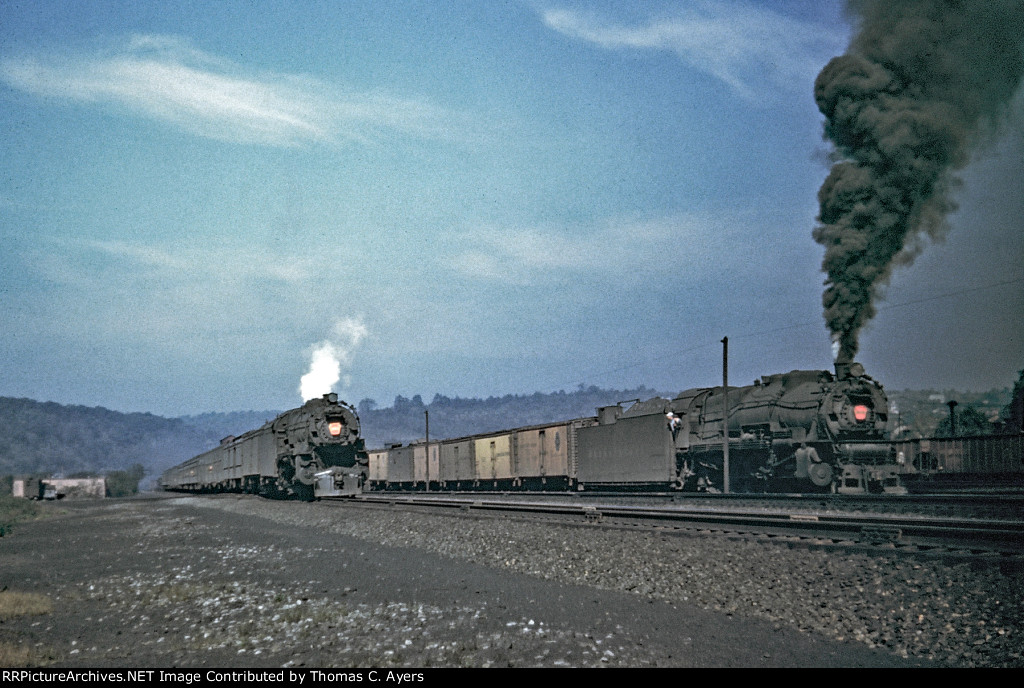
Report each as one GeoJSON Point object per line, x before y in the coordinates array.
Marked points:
{"type": "Point", "coordinates": [921, 85]}
{"type": "Point", "coordinates": [330, 356]}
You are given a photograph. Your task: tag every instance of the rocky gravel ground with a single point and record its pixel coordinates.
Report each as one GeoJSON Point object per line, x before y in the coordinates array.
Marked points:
{"type": "Point", "coordinates": [247, 582]}
{"type": "Point", "coordinates": [961, 615]}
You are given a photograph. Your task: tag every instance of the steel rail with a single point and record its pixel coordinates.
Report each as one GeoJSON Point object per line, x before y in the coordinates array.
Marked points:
{"type": "Point", "coordinates": [971, 534]}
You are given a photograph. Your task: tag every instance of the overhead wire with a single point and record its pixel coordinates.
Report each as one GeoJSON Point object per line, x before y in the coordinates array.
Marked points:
{"type": "Point", "coordinates": [793, 326]}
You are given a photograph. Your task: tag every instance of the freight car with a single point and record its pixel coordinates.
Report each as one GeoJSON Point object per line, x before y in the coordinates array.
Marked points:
{"type": "Point", "coordinates": [987, 461]}
{"type": "Point", "coordinates": [799, 431]}
{"type": "Point", "coordinates": [538, 457]}
{"type": "Point", "coordinates": [316, 446]}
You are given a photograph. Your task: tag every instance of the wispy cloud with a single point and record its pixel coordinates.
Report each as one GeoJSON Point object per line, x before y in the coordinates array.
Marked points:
{"type": "Point", "coordinates": [134, 291]}
{"type": "Point", "coordinates": [614, 249]}
{"type": "Point", "coordinates": [88, 262]}
{"type": "Point", "coordinates": [167, 79]}
{"type": "Point", "coordinates": [752, 50]}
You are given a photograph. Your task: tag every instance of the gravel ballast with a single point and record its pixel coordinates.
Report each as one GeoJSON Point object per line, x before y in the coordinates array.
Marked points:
{"type": "Point", "coordinates": [243, 581]}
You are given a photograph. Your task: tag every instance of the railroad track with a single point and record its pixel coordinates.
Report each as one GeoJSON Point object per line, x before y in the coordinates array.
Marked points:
{"type": "Point", "coordinates": [969, 505]}
{"type": "Point", "coordinates": [999, 541]}
{"type": "Point", "coordinates": [997, 506]}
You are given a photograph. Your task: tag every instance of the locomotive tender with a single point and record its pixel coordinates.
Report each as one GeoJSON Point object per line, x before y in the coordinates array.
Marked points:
{"type": "Point", "coordinates": [803, 431]}
{"type": "Point", "coordinates": [316, 446]}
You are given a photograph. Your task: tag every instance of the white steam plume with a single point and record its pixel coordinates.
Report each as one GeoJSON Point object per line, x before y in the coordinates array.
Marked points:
{"type": "Point", "coordinates": [329, 356]}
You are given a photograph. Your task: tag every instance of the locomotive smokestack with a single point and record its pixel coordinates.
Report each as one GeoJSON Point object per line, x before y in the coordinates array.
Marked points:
{"type": "Point", "coordinates": [919, 86]}
{"type": "Point", "coordinates": [841, 359]}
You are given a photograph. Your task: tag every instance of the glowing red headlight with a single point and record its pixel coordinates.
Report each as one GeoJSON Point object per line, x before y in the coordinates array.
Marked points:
{"type": "Point", "coordinates": [334, 428]}
{"type": "Point", "coordinates": [860, 412]}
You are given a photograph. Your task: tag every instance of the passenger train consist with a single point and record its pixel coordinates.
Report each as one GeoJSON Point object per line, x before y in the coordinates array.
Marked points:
{"type": "Point", "coordinates": [801, 431]}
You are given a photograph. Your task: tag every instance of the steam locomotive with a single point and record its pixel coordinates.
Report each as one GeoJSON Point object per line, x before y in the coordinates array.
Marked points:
{"type": "Point", "coordinates": [314, 448]}
{"type": "Point", "coordinates": [802, 431]}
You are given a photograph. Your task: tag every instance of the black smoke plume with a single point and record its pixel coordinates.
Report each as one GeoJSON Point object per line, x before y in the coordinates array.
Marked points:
{"type": "Point", "coordinates": [922, 83]}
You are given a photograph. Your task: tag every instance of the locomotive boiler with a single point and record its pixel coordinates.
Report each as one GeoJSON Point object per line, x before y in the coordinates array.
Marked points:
{"type": "Point", "coordinates": [315, 445]}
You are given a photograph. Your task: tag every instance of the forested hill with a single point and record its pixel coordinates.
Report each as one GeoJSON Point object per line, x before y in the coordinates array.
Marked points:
{"type": "Point", "coordinates": [46, 438]}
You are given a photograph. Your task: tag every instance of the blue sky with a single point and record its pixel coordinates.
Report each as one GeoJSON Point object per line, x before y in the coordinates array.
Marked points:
{"type": "Point", "coordinates": [466, 198]}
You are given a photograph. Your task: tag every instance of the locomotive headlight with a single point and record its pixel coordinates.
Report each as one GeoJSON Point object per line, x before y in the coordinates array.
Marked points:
{"type": "Point", "coordinates": [860, 412]}
{"type": "Point", "coordinates": [334, 428]}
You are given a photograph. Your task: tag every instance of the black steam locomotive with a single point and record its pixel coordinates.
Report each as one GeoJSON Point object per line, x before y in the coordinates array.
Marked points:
{"type": "Point", "coordinates": [800, 431]}
{"type": "Point", "coordinates": [315, 447]}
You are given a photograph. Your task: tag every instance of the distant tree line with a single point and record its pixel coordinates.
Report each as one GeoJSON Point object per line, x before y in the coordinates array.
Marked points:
{"type": "Point", "coordinates": [970, 422]}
